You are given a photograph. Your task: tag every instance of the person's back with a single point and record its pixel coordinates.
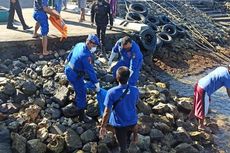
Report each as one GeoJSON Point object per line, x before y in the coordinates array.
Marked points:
{"type": "Point", "coordinates": [125, 112]}
{"type": "Point", "coordinates": [101, 13]}
{"type": "Point", "coordinates": [215, 80]}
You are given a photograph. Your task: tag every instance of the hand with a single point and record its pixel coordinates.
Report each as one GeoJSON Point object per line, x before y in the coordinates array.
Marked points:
{"type": "Point", "coordinates": [102, 132]}
{"type": "Point", "coordinates": [13, 1]}
{"type": "Point", "coordinates": [97, 85]}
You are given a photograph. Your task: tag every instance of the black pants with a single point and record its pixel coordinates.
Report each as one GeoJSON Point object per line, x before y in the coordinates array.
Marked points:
{"type": "Point", "coordinates": [123, 135]}
{"type": "Point", "coordinates": [15, 6]}
{"type": "Point", "coordinates": [101, 33]}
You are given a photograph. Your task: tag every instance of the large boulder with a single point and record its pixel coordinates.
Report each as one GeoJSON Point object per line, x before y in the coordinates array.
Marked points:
{"type": "Point", "coordinates": [18, 143]}
{"type": "Point", "coordinates": [88, 136]}
{"type": "Point", "coordinates": [29, 88]}
{"type": "Point", "coordinates": [35, 146]}
{"type": "Point", "coordinates": [72, 140]}
{"type": "Point", "coordinates": [61, 95]}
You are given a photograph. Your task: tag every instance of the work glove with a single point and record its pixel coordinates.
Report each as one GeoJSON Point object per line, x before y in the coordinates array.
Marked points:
{"type": "Point", "coordinates": [97, 85]}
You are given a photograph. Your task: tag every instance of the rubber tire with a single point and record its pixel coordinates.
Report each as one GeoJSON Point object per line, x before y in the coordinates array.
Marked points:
{"type": "Point", "coordinates": [170, 29]}
{"type": "Point", "coordinates": [165, 38]}
{"type": "Point", "coordinates": [159, 43]}
{"type": "Point", "coordinates": [164, 19]}
{"type": "Point", "coordinates": [180, 31]}
{"type": "Point", "coordinates": [148, 39]}
{"type": "Point", "coordinates": [153, 20]}
{"type": "Point", "coordinates": [138, 8]}
{"type": "Point", "coordinates": [153, 27]}
{"type": "Point", "coordinates": [135, 17]}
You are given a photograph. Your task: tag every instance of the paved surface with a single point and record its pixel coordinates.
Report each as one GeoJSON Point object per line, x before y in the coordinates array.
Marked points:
{"type": "Point", "coordinates": [75, 28]}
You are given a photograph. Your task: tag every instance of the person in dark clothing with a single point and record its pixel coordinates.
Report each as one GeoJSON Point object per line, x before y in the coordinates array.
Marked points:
{"type": "Point", "coordinates": [100, 12]}
{"type": "Point", "coordinates": [15, 5]}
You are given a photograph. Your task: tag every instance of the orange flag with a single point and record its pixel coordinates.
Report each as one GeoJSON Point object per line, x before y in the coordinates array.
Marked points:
{"type": "Point", "coordinates": [60, 25]}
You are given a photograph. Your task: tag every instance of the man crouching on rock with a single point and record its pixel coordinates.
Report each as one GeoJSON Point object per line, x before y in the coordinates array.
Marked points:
{"type": "Point", "coordinates": [204, 88]}
{"type": "Point", "coordinates": [79, 63]}
{"type": "Point", "coordinates": [121, 101]}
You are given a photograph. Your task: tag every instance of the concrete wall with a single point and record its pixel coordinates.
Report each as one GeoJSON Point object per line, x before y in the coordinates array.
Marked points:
{"type": "Point", "coordinates": [24, 3]}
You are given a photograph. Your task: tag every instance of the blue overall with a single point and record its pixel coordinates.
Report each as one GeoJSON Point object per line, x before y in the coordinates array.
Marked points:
{"type": "Point", "coordinates": [80, 63]}
{"type": "Point", "coordinates": [132, 59]}
{"type": "Point", "coordinates": [40, 15]}
{"type": "Point", "coordinates": [58, 5]}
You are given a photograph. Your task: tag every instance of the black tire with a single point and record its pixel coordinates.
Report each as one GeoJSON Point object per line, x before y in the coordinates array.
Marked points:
{"type": "Point", "coordinates": [148, 39]}
{"type": "Point", "coordinates": [165, 38]}
{"type": "Point", "coordinates": [135, 17]}
{"type": "Point", "coordinates": [170, 29]}
{"type": "Point", "coordinates": [153, 27]}
{"type": "Point", "coordinates": [180, 31]}
{"type": "Point", "coordinates": [153, 20]}
{"type": "Point", "coordinates": [163, 19]}
{"type": "Point", "coordinates": [138, 8]}
{"type": "Point", "coordinates": [159, 43]}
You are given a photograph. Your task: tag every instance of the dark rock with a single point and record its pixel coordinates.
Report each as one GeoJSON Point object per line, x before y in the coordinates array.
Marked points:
{"type": "Point", "coordinates": [72, 140]}
{"type": "Point", "coordinates": [16, 71]}
{"type": "Point", "coordinates": [163, 127]}
{"type": "Point", "coordinates": [35, 146]}
{"type": "Point", "coordinates": [19, 96]}
{"type": "Point", "coordinates": [57, 129]}
{"type": "Point", "coordinates": [55, 113]}
{"type": "Point", "coordinates": [4, 135]}
{"type": "Point", "coordinates": [156, 134]}
{"type": "Point", "coordinates": [4, 69]}
{"type": "Point", "coordinates": [18, 143]}
{"type": "Point", "coordinates": [70, 110]}
{"type": "Point", "coordinates": [102, 148]}
{"type": "Point", "coordinates": [109, 140]}
{"type": "Point", "coordinates": [5, 148]}
{"type": "Point", "coordinates": [61, 95]}
{"type": "Point", "coordinates": [47, 71]}
{"type": "Point", "coordinates": [19, 64]}
{"type": "Point", "coordinates": [9, 108]}
{"type": "Point", "coordinates": [90, 147]}
{"type": "Point", "coordinates": [92, 110]}
{"type": "Point", "coordinates": [181, 136]}
{"type": "Point", "coordinates": [160, 108]}
{"type": "Point", "coordinates": [9, 89]}
{"type": "Point", "coordinates": [88, 136]}
{"type": "Point", "coordinates": [143, 142]}
{"type": "Point", "coordinates": [29, 88]}
{"type": "Point", "coordinates": [29, 131]}
{"type": "Point", "coordinates": [144, 108]}
{"type": "Point", "coordinates": [185, 148]}
{"type": "Point", "coordinates": [133, 148]}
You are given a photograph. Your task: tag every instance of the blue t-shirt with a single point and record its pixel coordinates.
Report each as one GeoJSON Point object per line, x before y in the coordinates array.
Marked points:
{"type": "Point", "coordinates": [216, 79]}
{"type": "Point", "coordinates": [124, 113]}
{"type": "Point", "coordinates": [39, 4]}
{"type": "Point", "coordinates": [81, 59]}
{"type": "Point", "coordinates": [133, 58]}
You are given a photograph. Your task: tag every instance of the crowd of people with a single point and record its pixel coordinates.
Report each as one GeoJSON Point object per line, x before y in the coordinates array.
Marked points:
{"type": "Point", "coordinates": [120, 101]}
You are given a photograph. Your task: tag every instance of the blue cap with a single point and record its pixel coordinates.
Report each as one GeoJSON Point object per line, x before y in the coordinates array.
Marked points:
{"type": "Point", "coordinates": [93, 38]}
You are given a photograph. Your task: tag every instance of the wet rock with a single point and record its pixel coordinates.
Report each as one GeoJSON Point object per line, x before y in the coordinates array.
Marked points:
{"type": "Point", "coordinates": [181, 136]}
{"type": "Point", "coordinates": [47, 71]}
{"type": "Point", "coordinates": [4, 69]}
{"type": "Point", "coordinates": [36, 146]}
{"type": "Point", "coordinates": [56, 145]}
{"type": "Point", "coordinates": [160, 108]}
{"type": "Point", "coordinates": [144, 108]}
{"type": "Point", "coordinates": [162, 126]}
{"type": "Point", "coordinates": [54, 112]}
{"type": "Point", "coordinates": [61, 95]}
{"type": "Point", "coordinates": [185, 148]}
{"type": "Point", "coordinates": [88, 136]}
{"type": "Point", "coordinates": [70, 110]}
{"type": "Point", "coordinates": [143, 142]}
{"type": "Point", "coordinates": [5, 146]}
{"type": "Point", "coordinates": [18, 143]}
{"type": "Point", "coordinates": [72, 140]}
{"type": "Point", "coordinates": [156, 134]}
{"type": "Point", "coordinates": [90, 147]}
{"type": "Point", "coordinates": [185, 104]}
{"type": "Point", "coordinates": [42, 133]}
{"type": "Point", "coordinates": [8, 89]}
{"type": "Point", "coordinates": [29, 88]}
{"type": "Point", "coordinates": [133, 148]}
{"type": "Point", "coordinates": [29, 131]}
{"type": "Point", "coordinates": [102, 148]}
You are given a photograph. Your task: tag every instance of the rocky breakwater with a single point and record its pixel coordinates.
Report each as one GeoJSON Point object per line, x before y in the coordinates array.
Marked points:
{"type": "Point", "coordinates": [37, 116]}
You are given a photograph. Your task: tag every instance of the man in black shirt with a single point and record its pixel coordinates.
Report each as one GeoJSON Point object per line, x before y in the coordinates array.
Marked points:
{"type": "Point", "coordinates": [100, 12]}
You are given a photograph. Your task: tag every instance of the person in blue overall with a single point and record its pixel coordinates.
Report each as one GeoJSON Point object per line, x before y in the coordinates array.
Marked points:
{"type": "Point", "coordinates": [122, 114]}
{"type": "Point", "coordinates": [204, 88]}
{"type": "Point", "coordinates": [79, 62]}
{"type": "Point", "coordinates": [40, 15]}
{"type": "Point", "coordinates": [131, 57]}
{"type": "Point", "coordinates": [58, 5]}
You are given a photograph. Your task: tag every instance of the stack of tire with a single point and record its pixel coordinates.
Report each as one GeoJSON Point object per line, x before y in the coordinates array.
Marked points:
{"type": "Point", "coordinates": [160, 32]}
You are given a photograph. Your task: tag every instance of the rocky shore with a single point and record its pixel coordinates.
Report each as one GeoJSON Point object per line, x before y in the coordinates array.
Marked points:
{"type": "Point", "coordinates": [36, 116]}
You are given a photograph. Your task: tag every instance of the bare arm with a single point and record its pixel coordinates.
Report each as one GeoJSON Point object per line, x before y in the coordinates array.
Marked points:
{"type": "Point", "coordinates": [51, 12]}
{"type": "Point", "coordinates": [228, 91]}
{"type": "Point", "coordinates": [104, 122]}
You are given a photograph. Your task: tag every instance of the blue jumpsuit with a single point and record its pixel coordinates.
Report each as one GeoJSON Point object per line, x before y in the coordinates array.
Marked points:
{"type": "Point", "coordinates": [40, 15]}
{"type": "Point", "coordinates": [132, 59]}
{"type": "Point", "coordinates": [79, 63]}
